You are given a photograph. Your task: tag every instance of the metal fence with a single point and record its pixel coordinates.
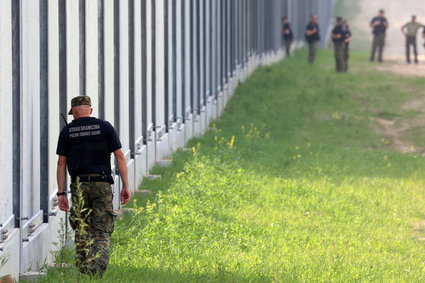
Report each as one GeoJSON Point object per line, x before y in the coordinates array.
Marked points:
{"type": "Point", "coordinates": [158, 70]}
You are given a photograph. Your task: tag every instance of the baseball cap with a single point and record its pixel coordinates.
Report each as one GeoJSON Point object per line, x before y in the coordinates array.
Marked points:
{"type": "Point", "coordinates": [78, 101]}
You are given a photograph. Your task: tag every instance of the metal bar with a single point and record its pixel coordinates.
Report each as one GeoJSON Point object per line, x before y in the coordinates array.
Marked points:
{"type": "Point", "coordinates": [211, 53]}
{"type": "Point", "coordinates": [16, 101]}
{"type": "Point", "coordinates": [44, 111]}
{"type": "Point", "coordinates": [174, 60]}
{"type": "Point", "coordinates": [144, 71]}
{"type": "Point", "coordinates": [117, 103]}
{"type": "Point", "coordinates": [131, 78]}
{"type": "Point", "coordinates": [62, 60]}
{"type": "Point", "coordinates": [166, 66]}
{"type": "Point", "coordinates": [183, 67]}
{"type": "Point", "coordinates": [198, 55]}
{"type": "Point", "coordinates": [153, 45]}
{"type": "Point", "coordinates": [82, 45]}
{"type": "Point", "coordinates": [101, 56]}
{"type": "Point", "coordinates": [204, 57]}
{"type": "Point", "coordinates": [192, 64]}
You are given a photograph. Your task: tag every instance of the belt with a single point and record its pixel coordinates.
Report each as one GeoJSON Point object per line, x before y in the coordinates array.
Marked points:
{"type": "Point", "coordinates": [90, 178]}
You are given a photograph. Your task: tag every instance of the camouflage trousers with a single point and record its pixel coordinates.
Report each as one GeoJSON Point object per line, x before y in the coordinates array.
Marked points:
{"type": "Point", "coordinates": [92, 218]}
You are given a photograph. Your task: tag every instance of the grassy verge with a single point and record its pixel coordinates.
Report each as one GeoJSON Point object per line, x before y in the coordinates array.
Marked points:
{"type": "Point", "coordinates": [291, 185]}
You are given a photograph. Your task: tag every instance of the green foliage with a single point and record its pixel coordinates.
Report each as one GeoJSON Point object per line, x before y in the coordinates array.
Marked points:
{"type": "Point", "coordinates": [64, 254]}
{"type": "Point", "coordinates": [292, 184]}
{"type": "Point", "coordinates": [3, 260]}
{"type": "Point", "coordinates": [81, 214]}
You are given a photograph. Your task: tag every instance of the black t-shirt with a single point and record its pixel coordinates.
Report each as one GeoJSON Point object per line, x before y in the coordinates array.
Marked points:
{"type": "Point", "coordinates": [288, 36]}
{"type": "Point", "coordinates": [381, 27]}
{"type": "Point", "coordinates": [315, 36]}
{"type": "Point", "coordinates": [338, 30]}
{"type": "Point", "coordinates": [87, 143]}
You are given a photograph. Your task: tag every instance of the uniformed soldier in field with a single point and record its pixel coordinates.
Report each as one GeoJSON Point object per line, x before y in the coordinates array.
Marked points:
{"type": "Point", "coordinates": [338, 39]}
{"type": "Point", "coordinates": [347, 39]}
{"type": "Point", "coordinates": [312, 35]}
{"type": "Point", "coordinates": [84, 148]}
{"type": "Point", "coordinates": [287, 34]}
{"type": "Point", "coordinates": [379, 24]}
{"type": "Point", "coordinates": [410, 31]}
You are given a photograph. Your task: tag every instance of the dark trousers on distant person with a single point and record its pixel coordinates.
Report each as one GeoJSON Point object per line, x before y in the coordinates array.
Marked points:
{"type": "Point", "coordinates": [339, 57]}
{"type": "Point", "coordinates": [287, 43]}
{"type": "Point", "coordinates": [311, 51]}
{"type": "Point", "coordinates": [346, 55]}
{"type": "Point", "coordinates": [378, 45]}
{"type": "Point", "coordinates": [411, 40]}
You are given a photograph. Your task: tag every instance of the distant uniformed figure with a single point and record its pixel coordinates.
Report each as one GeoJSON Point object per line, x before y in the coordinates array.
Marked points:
{"type": "Point", "coordinates": [410, 31]}
{"type": "Point", "coordinates": [287, 34]}
{"type": "Point", "coordinates": [338, 38]}
{"type": "Point", "coordinates": [84, 148]}
{"type": "Point", "coordinates": [312, 35]}
{"type": "Point", "coordinates": [379, 24]}
{"type": "Point", "coordinates": [347, 39]}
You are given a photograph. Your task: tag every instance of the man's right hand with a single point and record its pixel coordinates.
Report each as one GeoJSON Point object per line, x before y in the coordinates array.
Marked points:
{"type": "Point", "coordinates": [125, 194]}
{"type": "Point", "coordinates": [63, 203]}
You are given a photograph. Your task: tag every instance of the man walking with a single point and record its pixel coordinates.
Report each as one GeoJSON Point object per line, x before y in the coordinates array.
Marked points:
{"type": "Point", "coordinates": [288, 36]}
{"type": "Point", "coordinates": [379, 24]}
{"type": "Point", "coordinates": [410, 30]}
{"type": "Point", "coordinates": [338, 38]}
{"type": "Point", "coordinates": [84, 147]}
{"type": "Point", "coordinates": [312, 35]}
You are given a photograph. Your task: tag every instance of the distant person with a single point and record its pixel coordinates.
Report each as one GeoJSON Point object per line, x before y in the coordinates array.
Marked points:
{"type": "Point", "coordinates": [347, 39]}
{"type": "Point", "coordinates": [338, 39]}
{"type": "Point", "coordinates": [410, 31]}
{"type": "Point", "coordinates": [312, 35]}
{"type": "Point", "coordinates": [379, 24]}
{"type": "Point", "coordinates": [288, 36]}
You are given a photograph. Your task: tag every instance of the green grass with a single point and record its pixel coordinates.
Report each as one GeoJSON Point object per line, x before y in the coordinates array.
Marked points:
{"type": "Point", "coordinates": [292, 184]}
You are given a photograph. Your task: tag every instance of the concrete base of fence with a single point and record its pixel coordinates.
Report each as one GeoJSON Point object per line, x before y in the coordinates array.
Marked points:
{"type": "Point", "coordinates": [140, 166]}
{"type": "Point", "coordinates": [162, 147]}
{"type": "Point", "coordinates": [10, 253]}
{"type": "Point", "coordinates": [31, 276]}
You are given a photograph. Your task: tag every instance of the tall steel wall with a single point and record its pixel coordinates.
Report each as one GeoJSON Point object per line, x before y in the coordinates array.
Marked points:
{"type": "Point", "coordinates": [159, 70]}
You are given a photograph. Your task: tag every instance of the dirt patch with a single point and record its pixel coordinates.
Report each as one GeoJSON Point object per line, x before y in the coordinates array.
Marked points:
{"type": "Point", "coordinates": [395, 133]}
{"type": "Point", "coordinates": [399, 67]}
{"type": "Point", "coordinates": [418, 104]}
